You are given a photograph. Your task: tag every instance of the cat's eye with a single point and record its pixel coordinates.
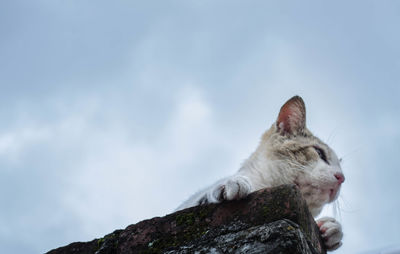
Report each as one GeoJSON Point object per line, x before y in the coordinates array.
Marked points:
{"type": "Point", "coordinates": [321, 154]}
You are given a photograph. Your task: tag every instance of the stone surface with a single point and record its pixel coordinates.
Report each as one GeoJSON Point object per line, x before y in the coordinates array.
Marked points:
{"type": "Point", "coordinates": [282, 236]}
{"type": "Point", "coordinates": [272, 220]}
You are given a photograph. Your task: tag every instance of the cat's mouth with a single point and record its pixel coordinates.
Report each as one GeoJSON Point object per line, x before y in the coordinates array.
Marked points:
{"type": "Point", "coordinates": [308, 190]}
{"type": "Point", "coordinates": [333, 193]}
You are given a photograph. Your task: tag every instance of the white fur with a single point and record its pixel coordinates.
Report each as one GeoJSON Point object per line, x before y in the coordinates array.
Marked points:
{"type": "Point", "coordinates": [331, 232]}
{"type": "Point", "coordinates": [258, 172]}
{"type": "Point", "coordinates": [267, 168]}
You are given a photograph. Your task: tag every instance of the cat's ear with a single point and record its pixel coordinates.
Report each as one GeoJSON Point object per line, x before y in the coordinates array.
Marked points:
{"type": "Point", "coordinates": [292, 117]}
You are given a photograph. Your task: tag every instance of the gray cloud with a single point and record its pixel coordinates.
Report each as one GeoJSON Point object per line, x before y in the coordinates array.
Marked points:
{"type": "Point", "coordinates": [114, 113]}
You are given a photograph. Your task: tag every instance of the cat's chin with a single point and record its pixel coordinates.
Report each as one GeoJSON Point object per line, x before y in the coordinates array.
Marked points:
{"type": "Point", "coordinates": [316, 203]}
{"type": "Point", "coordinates": [315, 206]}
{"type": "Point", "coordinates": [333, 194]}
{"type": "Point", "coordinates": [315, 211]}
{"type": "Point", "coordinates": [325, 194]}
{"type": "Point", "coordinates": [316, 197]}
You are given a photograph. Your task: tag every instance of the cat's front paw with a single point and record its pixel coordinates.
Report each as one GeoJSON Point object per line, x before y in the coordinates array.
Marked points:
{"type": "Point", "coordinates": [331, 232]}
{"type": "Point", "coordinates": [233, 188]}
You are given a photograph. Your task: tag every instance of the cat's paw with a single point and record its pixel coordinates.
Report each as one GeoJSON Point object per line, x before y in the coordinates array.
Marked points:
{"type": "Point", "coordinates": [331, 232]}
{"type": "Point", "coordinates": [233, 188]}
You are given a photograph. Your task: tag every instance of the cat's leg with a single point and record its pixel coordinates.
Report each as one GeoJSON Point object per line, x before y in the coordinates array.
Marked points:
{"type": "Point", "coordinates": [331, 232]}
{"type": "Point", "coordinates": [231, 188]}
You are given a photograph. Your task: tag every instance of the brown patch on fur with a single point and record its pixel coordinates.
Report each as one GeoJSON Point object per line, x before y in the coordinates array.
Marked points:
{"type": "Point", "coordinates": [297, 147]}
{"type": "Point", "coordinates": [297, 153]}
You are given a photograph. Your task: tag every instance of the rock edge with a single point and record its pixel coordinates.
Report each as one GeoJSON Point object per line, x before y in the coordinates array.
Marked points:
{"type": "Point", "coordinates": [271, 220]}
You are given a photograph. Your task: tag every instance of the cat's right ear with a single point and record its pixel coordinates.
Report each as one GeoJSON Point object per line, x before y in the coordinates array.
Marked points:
{"type": "Point", "coordinates": [292, 117]}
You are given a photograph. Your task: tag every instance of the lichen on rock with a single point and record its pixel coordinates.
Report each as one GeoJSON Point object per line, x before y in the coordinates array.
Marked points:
{"type": "Point", "coordinates": [272, 220]}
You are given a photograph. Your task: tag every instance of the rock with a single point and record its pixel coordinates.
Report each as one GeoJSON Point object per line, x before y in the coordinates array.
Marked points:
{"type": "Point", "coordinates": [282, 236]}
{"type": "Point", "coordinates": [272, 220]}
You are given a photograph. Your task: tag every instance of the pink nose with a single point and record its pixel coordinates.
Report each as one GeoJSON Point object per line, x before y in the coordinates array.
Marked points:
{"type": "Point", "coordinates": [339, 177]}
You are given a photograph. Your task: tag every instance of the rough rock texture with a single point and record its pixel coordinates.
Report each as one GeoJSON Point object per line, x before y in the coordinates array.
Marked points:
{"type": "Point", "coordinates": [282, 236]}
{"type": "Point", "coordinates": [272, 220]}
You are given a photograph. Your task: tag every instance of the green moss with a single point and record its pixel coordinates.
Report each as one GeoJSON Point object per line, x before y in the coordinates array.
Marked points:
{"type": "Point", "coordinates": [290, 228]}
{"type": "Point", "coordinates": [100, 243]}
{"type": "Point", "coordinates": [109, 241]}
{"type": "Point", "coordinates": [193, 228]}
{"type": "Point", "coordinates": [188, 219]}
{"type": "Point", "coordinates": [204, 213]}
{"type": "Point", "coordinates": [185, 219]}
{"type": "Point", "coordinates": [266, 210]}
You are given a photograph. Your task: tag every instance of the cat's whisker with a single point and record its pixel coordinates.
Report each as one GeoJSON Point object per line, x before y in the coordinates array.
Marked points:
{"type": "Point", "coordinates": [334, 209]}
{"type": "Point", "coordinates": [288, 153]}
{"type": "Point", "coordinates": [346, 204]}
{"type": "Point", "coordinates": [291, 164]}
{"type": "Point", "coordinates": [332, 135]}
{"type": "Point", "coordinates": [338, 210]}
{"type": "Point", "coordinates": [355, 150]}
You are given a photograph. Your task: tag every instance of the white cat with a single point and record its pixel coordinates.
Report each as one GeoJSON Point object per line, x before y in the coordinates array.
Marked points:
{"type": "Point", "coordinates": [287, 154]}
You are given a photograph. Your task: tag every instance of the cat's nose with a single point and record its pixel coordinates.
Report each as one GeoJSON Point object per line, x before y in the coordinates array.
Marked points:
{"type": "Point", "coordinates": [339, 177]}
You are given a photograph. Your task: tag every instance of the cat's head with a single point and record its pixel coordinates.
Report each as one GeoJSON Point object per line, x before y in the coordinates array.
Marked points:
{"type": "Point", "coordinates": [301, 158]}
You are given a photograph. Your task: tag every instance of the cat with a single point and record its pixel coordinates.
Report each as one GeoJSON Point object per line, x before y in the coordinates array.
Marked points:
{"type": "Point", "coordinates": [288, 153]}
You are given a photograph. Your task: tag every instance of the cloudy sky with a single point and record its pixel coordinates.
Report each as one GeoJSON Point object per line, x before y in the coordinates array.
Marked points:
{"type": "Point", "coordinates": [112, 112]}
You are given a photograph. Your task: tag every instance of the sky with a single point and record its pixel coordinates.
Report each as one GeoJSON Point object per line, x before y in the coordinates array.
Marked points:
{"type": "Point", "coordinates": [112, 112]}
